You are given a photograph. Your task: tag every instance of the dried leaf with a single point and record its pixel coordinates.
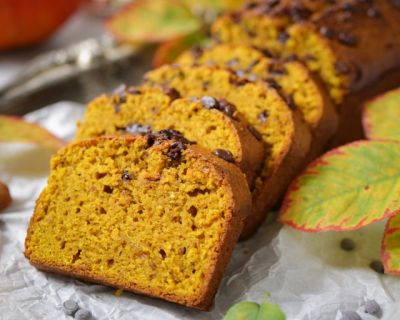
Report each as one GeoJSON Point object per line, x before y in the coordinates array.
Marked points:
{"type": "Point", "coordinates": [169, 51]}
{"type": "Point", "coordinates": [391, 246]}
{"type": "Point", "coordinates": [347, 188]}
{"type": "Point", "coordinates": [14, 129]}
{"type": "Point", "coordinates": [380, 117]}
{"type": "Point", "coordinates": [153, 21]}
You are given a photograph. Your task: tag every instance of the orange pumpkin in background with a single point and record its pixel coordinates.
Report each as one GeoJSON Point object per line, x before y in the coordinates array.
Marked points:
{"type": "Point", "coordinates": [27, 22]}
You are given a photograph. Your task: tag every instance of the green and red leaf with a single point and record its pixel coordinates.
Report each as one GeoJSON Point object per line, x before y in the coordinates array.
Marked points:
{"type": "Point", "coordinates": [380, 117]}
{"type": "Point", "coordinates": [14, 129]}
{"type": "Point", "coordinates": [391, 246]}
{"type": "Point", "coordinates": [153, 21]}
{"type": "Point", "coordinates": [346, 189]}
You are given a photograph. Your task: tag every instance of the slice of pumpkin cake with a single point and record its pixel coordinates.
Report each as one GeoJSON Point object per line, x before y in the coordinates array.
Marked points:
{"type": "Point", "coordinates": [297, 84]}
{"type": "Point", "coordinates": [150, 214]}
{"type": "Point", "coordinates": [286, 137]}
{"type": "Point", "coordinates": [214, 124]}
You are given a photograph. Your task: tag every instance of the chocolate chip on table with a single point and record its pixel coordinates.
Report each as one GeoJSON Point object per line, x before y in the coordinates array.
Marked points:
{"type": "Point", "coordinates": [70, 307]}
{"type": "Point", "coordinates": [347, 244]}
{"type": "Point", "coordinates": [350, 315]}
{"type": "Point", "coordinates": [83, 314]}
{"type": "Point", "coordinates": [347, 39]}
{"type": "Point", "coordinates": [254, 132]}
{"type": "Point", "coordinates": [209, 102]}
{"type": "Point", "coordinates": [224, 154]}
{"type": "Point", "coordinates": [377, 266]}
{"type": "Point", "coordinates": [372, 307]}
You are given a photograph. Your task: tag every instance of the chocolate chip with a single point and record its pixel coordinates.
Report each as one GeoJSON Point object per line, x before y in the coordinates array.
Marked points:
{"type": "Point", "coordinates": [240, 73]}
{"type": "Point", "coordinates": [300, 13]}
{"type": "Point", "coordinates": [377, 266]}
{"type": "Point", "coordinates": [83, 315]}
{"type": "Point", "coordinates": [224, 154]}
{"type": "Point", "coordinates": [273, 84]}
{"type": "Point", "coordinates": [133, 90]}
{"type": "Point", "coordinates": [172, 93]}
{"type": "Point", "coordinates": [347, 244]}
{"type": "Point", "coordinates": [372, 13]}
{"type": "Point", "coordinates": [276, 69]}
{"type": "Point", "coordinates": [350, 315]}
{"type": "Point", "coordinates": [347, 39]}
{"type": "Point", "coordinates": [252, 77]}
{"type": "Point", "coordinates": [209, 102]}
{"type": "Point", "coordinates": [254, 132]}
{"type": "Point", "coordinates": [348, 6]}
{"type": "Point", "coordinates": [373, 308]}
{"type": "Point", "coordinates": [235, 17]}
{"type": "Point", "coordinates": [120, 90]}
{"type": "Point", "coordinates": [126, 176]}
{"type": "Point", "coordinates": [226, 107]}
{"type": "Point", "coordinates": [136, 128]}
{"type": "Point", "coordinates": [196, 52]}
{"type": "Point", "coordinates": [283, 36]}
{"type": "Point", "coordinates": [341, 67]}
{"type": "Point", "coordinates": [232, 62]}
{"type": "Point", "coordinates": [263, 116]}
{"type": "Point", "coordinates": [70, 307]}
{"type": "Point", "coordinates": [266, 53]}
{"type": "Point", "coordinates": [327, 32]}
{"type": "Point", "coordinates": [175, 150]}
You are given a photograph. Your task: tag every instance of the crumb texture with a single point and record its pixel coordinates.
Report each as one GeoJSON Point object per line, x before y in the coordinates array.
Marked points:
{"type": "Point", "coordinates": [123, 211]}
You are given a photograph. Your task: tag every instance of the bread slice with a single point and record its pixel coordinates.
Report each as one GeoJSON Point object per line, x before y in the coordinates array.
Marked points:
{"type": "Point", "coordinates": [215, 125]}
{"type": "Point", "coordinates": [286, 137]}
{"type": "Point", "coordinates": [297, 84]}
{"type": "Point", "coordinates": [149, 214]}
{"type": "Point", "coordinates": [334, 38]}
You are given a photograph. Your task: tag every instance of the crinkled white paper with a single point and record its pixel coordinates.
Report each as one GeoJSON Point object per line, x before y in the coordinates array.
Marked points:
{"type": "Point", "coordinates": [307, 274]}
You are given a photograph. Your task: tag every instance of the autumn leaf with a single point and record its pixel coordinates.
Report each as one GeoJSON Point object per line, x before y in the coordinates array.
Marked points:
{"type": "Point", "coordinates": [169, 51]}
{"type": "Point", "coordinates": [380, 117]}
{"type": "Point", "coordinates": [14, 129]}
{"type": "Point", "coordinates": [391, 246]}
{"type": "Point", "coordinates": [347, 188]}
{"type": "Point", "coordinates": [153, 21]}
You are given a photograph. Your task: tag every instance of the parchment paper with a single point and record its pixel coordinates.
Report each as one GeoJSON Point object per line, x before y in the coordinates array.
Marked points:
{"type": "Point", "coordinates": [307, 274]}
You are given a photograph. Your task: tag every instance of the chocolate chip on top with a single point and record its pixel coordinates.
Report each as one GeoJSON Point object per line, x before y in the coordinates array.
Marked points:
{"type": "Point", "coordinates": [224, 154]}
{"type": "Point", "coordinates": [209, 102]}
{"type": "Point", "coordinates": [172, 93]}
{"type": "Point", "coordinates": [137, 128]}
{"type": "Point", "coordinates": [221, 105]}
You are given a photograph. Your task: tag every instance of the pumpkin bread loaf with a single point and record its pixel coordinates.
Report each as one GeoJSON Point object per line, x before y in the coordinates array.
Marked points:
{"type": "Point", "coordinates": [149, 214]}
{"type": "Point", "coordinates": [5, 197]}
{"type": "Point", "coordinates": [286, 137]}
{"type": "Point", "coordinates": [349, 43]}
{"type": "Point", "coordinates": [214, 125]}
{"type": "Point", "coordinates": [296, 82]}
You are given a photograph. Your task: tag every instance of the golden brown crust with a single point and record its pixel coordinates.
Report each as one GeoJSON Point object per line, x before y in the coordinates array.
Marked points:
{"type": "Point", "coordinates": [275, 186]}
{"type": "Point", "coordinates": [240, 206]}
{"type": "Point", "coordinates": [327, 126]}
{"type": "Point", "coordinates": [5, 197]}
